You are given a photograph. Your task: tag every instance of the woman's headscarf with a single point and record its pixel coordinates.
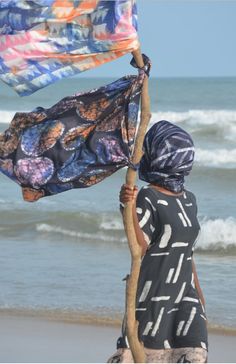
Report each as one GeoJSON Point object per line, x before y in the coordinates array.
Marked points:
{"type": "Point", "coordinates": [168, 156]}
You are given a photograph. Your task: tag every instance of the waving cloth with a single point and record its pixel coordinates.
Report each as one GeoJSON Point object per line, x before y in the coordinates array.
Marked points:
{"type": "Point", "coordinates": [77, 142]}
{"type": "Point", "coordinates": [168, 156]}
{"type": "Point", "coordinates": [42, 41]}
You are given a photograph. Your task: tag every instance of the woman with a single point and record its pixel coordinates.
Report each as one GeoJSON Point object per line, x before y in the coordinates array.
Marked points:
{"type": "Point", "coordinates": [170, 304]}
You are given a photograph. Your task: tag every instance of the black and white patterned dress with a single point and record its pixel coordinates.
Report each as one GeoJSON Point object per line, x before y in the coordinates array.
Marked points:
{"type": "Point", "coordinates": [172, 320]}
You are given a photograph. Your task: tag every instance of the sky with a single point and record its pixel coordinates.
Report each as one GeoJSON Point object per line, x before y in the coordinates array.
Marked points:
{"type": "Point", "coordinates": [184, 38]}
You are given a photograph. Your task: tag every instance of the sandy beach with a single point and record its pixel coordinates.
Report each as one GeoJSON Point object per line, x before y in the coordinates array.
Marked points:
{"type": "Point", "coordinates": [35, 339]}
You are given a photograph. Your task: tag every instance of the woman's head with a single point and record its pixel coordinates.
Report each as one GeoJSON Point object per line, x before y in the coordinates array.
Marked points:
{"type": "Point", "coordinates": [168, 156]}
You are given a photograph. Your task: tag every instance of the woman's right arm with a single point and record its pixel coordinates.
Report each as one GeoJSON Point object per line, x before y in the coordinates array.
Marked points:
{"type": "Point", "coordinates": [128, 194]}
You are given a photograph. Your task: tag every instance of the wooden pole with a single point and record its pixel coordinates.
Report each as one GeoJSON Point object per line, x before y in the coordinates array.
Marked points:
{"type": "Point", "coordinates": [136, 346]}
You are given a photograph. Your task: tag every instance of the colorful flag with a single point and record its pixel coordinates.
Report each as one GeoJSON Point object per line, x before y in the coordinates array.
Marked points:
{"type": "Point", "coordinates": [76, 143]}
{"type": "Point", "coordinates": [42, 41]}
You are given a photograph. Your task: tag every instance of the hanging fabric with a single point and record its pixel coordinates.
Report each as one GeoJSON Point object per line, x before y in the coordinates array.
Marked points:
{"type": "Point", "coordinates": [77, 142]}
{"type": "Point", "coordinates": [43, 41]}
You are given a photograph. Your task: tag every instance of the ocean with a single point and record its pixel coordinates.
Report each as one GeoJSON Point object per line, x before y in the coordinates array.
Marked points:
{"type": "Point", "coordinates": [66, 256]}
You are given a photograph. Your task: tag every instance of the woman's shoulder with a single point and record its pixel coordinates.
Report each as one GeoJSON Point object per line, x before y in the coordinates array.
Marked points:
{"type": "Point", "coordinates": [190, 195]}
{"type": "Point", "coordinates": [146, 196]}
{"type": "Point", "coordinates": [149, 191]}
{"type": "Point", "coordinates": [146, 191]}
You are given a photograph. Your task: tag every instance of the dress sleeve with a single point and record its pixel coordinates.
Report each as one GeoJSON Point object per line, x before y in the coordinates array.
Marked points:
{"type": "Point", "coordinates": [194, 201]}
{"type": "Point", "coordinates": [147, 214]}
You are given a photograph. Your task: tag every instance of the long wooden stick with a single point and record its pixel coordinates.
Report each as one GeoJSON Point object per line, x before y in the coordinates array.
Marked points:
{"type": "Point", "coordinates": [136, 346]}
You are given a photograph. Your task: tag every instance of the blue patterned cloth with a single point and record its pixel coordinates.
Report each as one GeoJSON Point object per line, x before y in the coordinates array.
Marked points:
{"type": "Point", "coordinates": [43, 41]}
{"type": "Point", "coordinates": [77, 142]}
{"type": "Point", "coordinates": [168, 156]}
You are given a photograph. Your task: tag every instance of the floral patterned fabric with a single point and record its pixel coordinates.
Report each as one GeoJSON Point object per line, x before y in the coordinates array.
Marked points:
{"type": "Point", "coordinates": [77, 142]}
{"type": "Point", "coordinates": [42, 41]}
{"type": "Point", "coordinates": [178, 355]}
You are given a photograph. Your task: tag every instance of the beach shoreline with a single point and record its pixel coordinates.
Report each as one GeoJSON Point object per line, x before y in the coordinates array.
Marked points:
{"type": "Point", "coordinates": [100, 319]}
{"type": "Point", "coordinates": [36, 338]}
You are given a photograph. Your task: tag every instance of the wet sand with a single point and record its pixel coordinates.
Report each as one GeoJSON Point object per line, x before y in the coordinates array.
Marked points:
{"type": "Point", "coordinates": [33, 339]}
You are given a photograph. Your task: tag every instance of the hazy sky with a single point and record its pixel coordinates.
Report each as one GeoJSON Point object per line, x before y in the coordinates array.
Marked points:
{"type": "Point", "coordinates": [184, 38]}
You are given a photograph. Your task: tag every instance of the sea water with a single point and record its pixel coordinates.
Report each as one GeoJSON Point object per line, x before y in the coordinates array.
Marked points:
{"type": "Point", "coordinates": [67, 255]}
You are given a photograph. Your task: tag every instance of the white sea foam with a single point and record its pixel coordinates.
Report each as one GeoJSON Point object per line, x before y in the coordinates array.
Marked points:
{"type": "Point", "coordinates": [217, 234]}
{"type": "Point", "coordinates": [47, 228]}
{"type": "Point", "coordinates": [224, 158]}
{"type": "Point", "coordinates": [6, 116]}
{"type": "Point", "coordinates": [194, 118]}
{"type": "Point", "coordinates": [202, 117]}
{"type": "Point", "coordinates": [112, 225]}
{"type": "Point", "coordinates": [220, 122]}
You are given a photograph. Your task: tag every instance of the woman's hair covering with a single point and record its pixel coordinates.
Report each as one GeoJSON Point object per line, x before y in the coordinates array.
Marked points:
{"type": "Point", "coordinates": [168, 156]}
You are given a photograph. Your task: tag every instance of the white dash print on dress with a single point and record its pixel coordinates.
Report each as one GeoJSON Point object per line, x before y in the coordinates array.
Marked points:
{"type": "Point", "coordinates": [141, 309]}
{"type": "Point", "coordinates": [157, 324]}
{"type": "Point", "coordinates": [170, 274]}
{"type": "Point", "coordinates": [166, 236]}
{"type": "Point", "coordinates": [144, 219]}
{"type": "Point", "coordinates": [204, 318]}
{"type": "Point", "coordinates": [182, 219]}
{"type": "Point", "coordinates": [148, 328]}
{"type": "Point", "coordinates": [145, 291]}
{"type": "Point", "coordinates": [149, 201]}
{"type": "Point", "coordinates": [183, 212]}
{"type": "Point", "coordinates": [203, 308]}
{"type": "Point", "coordinates": [173, 310]}
{"type": "Point", "coordinates": [162, 202]}
{"type": "Point", "coordinates": [152, 228]}
{"type": "Point", "coordinates": [166, 344]}
{"type": "Point", "coordinates": [177, 272]}
{"type": "Point", "coordinates": [178, 244]}
{"type": "Point", "coordinates": [188, 204]}
{"type": "Point", "coordinates": [139, 210]}
{"type": "Point", "coordinates": [192, 281]}
{"type": "Point", "coordinates": [179, 328]}
{"type": "Point", "coordinates": [159, 254]}
{"type": "Point", "coordinates": [190, 299]}
{"type": "Point", "coordinates": [160, 298]}
{"type": "Point", "coordinates": [190, 320]}
{"type": "Point", "coordinates": [180, 295]}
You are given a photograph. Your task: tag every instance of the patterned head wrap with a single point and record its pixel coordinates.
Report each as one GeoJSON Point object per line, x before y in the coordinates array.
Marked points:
{"type": "Point", "coordinates": [168, 156]}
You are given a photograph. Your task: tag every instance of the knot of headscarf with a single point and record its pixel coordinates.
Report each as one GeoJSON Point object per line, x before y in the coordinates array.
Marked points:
{"type": "Point", "coordinates": [168, 156]}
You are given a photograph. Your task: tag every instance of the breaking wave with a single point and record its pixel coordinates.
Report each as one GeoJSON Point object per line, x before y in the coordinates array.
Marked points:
{"type": "Point", "coordinates": [218, 235]}
{"type": "Point", "coordinates": [53, 229]}
{"type": "Point", "coordinates": [223, 158]}
{"type": "Point", "coordinates": [220, 123]}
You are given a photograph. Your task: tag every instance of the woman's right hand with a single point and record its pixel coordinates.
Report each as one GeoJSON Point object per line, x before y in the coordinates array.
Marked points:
{"type": "Point", "coordinates": [128, 193]}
